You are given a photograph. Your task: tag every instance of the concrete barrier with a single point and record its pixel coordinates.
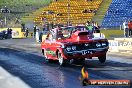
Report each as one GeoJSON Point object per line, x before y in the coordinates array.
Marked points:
{"type": "Point", "coordinates": [16, 32]}
{"type": "Point", "coordinates": [9, 81]}
{"type": "Point", "coordinates": [120, 44]}
{"type": "Point", "coordinates": [123, 39]}
{"type": "Point", "coordinates": [113, 46]}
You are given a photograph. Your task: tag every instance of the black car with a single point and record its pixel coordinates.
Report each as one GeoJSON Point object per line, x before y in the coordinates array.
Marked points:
{"type": "Point", "coordinates": [3, 35]}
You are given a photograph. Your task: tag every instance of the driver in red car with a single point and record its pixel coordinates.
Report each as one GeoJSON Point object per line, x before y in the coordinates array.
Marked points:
{"type": "Point", "coordinates": [60, 35]}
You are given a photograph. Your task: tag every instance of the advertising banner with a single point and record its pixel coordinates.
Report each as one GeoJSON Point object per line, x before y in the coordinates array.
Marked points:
{"type": "Point", "coordinates": [115, 46]}
{"type": "Point", "coordinates": [16, 32]}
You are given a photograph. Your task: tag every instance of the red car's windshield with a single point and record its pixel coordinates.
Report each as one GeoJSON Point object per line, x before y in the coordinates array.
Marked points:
{"type": "Point", "coordinates": [67, 31]}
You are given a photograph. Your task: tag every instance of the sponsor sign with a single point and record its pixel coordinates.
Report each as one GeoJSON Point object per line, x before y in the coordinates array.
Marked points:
{"type": "Point", "coordinates": [16, 32]}
{"type": "Point", "coordinates": [108, 82]}
{"type": "Point", "coordinates": [85, 81]}
{"type": "Point", "coordinates": [124, 45]}
{"type": "Point", "coordinates": [115, 45]}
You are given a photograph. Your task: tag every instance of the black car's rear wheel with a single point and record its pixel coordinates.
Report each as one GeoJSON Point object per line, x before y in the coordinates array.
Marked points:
{"type": "Point", "coordinates": [102, 59]}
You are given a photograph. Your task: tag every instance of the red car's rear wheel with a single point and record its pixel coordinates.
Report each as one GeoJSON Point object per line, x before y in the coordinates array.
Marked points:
{"type": "Point", "coordinates": [62, 61]}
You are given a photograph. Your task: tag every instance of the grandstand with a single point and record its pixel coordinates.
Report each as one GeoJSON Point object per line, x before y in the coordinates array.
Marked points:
{"type": "Point", "coordinates": [20, 9]}
{"type": "Point", "coordinates": [76, 11]}
{"type": "Point", "coordinates": [80, 11]}
{"type": "Point", "coordinates": [118, 12]}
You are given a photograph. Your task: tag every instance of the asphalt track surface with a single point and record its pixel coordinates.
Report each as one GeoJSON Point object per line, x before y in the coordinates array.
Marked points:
{"type": "Point", "coordinates": [23, 59]}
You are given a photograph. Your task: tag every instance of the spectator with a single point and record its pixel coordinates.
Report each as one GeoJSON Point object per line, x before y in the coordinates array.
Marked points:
{"type": "Point", "coordinates": [90, 28]}
{"type": "Point", "coordinates": [55, 31]}
{"type": "Point", "coordinates": [94, 11]}
{"type": "Point", "coordinates": [23, 27]}
{"type": "Point", "coordinates": [88, 0]}
{"type": "Point", "coordinates": [130, 28]}
{"type": "Point", "coordinates": [69, 23]}
{"type": "Point", "coordinates": [17, 21]}
{"type": "Point", "coordinates": [55, 0]}
{"type": "Point", "coordinates": [96, 28]}
{"type": "Point", "coordinates": [40, 36]}
{"type": "Point", "coordinates": [48, 26]}
{"type": "Point", "coordinates": [1, 23]}
{"type": "Point", "coordinates": [43, 13]}
{"type": "Point", "coordinates": [44, 28]}
{"type": "Point", "coordinates": [37, 35]}
{"type": "Point", "coordinates": [34, 30]}
{"type": "Point", "coordinates": [49, 12]}
{"type": "Point", "coordinates": [90, 11]}
{"type": "Point", "coordinates": [52, 25]}
{"type": "Point", "coordinates": [60, 35]}
{"type": "Point", "coordinates": [85, 11]}
{"type": "Point", "coordinates": [26, 32]}
{"type": "Point", "coordinates": [59, 14]}
{"type": "Point", "coordinates": [109, 11]}
{"type": "Point", "coordinates": [9, 33]}
{"type": "Point", "coordinates": [4, 34]}
{"type": "Point", "coordinates": [93, 23]}
{"type": "Point", "coordinates": [125, 26]}
{"type": "Point", "coordinates": [88, 22]}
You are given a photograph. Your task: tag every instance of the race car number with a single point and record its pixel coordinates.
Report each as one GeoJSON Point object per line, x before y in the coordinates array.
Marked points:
{"type": "Point", "coordinates": [84, 52]}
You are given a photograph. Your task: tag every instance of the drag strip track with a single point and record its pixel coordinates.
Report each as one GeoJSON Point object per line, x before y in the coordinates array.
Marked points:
{"type": "Point", "coordinates": [32, 69]}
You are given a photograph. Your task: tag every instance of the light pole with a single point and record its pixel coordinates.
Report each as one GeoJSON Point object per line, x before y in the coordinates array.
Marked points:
{"type": "Point", "coordinates": [5, 20]}
{"type": "Point", "coordinates": [5, 10]}
{"type": "Point", "coordinates": [68, 12]}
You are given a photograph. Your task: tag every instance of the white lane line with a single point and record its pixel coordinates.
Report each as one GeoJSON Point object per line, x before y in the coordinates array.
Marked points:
{"type": "Point", "coordinates": [109, 68]}
{"type": "Point", "coordinates": [103, 68]}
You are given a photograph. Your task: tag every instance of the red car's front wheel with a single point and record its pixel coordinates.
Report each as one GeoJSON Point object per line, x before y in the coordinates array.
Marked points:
{"type": "Point", "coordinates": [45, 56]}
{"type": "Point", "coordinates": [102, 59]}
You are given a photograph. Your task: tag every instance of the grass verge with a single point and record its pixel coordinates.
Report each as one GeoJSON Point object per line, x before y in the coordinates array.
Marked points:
{"type": "Point", "coordinates": [110, 34]}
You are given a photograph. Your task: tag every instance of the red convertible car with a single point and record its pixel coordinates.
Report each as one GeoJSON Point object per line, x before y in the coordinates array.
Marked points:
{"type": "Point", "coordinates": [71, 44]}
